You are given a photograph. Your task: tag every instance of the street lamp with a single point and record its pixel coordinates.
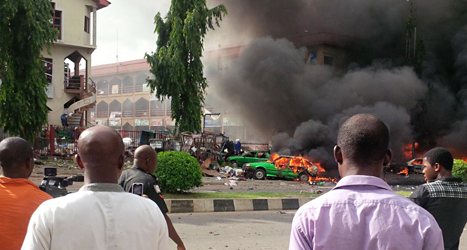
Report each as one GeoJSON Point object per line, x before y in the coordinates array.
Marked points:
{"type": "Point", "coordinates": [204, 118]}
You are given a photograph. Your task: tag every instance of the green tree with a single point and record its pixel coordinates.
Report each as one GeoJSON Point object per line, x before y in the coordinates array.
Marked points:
{"type": "Point", "coordinates": [176, 64]}
{"type": "Point", "coordinates": [24, 30]}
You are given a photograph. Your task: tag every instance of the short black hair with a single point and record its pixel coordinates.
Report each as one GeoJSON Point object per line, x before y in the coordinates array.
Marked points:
{"type": "Point", "coordinates": [14, 151]}
{"type": "Point", "coordinates": [440, 155]}
{"type": "Point", "coordinates": [364, 139]}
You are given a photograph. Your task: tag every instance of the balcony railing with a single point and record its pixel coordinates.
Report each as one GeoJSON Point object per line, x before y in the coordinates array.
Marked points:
{"type": "Point", "coordinates": [127, 113]}
{"type": "Point", "coordinates": [142, 113]}
{"type": "Point", "coordinates": [74, 84]}
{"type": "Point", "coordinates": [157, 112]}
{"type": "Point", "coordinates": [102, 114]}
{"type": "Point", "coordinates": [128, 89]}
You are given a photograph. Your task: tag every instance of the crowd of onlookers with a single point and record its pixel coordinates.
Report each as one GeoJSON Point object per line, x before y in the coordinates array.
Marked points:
{"type": "Point", "coordinates": [360, 212]}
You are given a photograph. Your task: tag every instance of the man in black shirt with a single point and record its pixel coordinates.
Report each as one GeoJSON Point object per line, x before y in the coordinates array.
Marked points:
{"type": "Point", "coordinates": [144, 166]}
{"type": "Point", "coordinates": [444, 196]}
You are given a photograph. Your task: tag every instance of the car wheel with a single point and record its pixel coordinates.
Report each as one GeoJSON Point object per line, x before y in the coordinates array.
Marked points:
{"type": "Point", "coordinates": [303, 177]}
{"type": "Point", "coordinates": [234, 164]}
{"type": "Point", "coordinates": [260, 174]}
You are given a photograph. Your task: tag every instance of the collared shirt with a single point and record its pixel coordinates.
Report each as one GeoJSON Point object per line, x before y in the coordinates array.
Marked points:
{"type": "Point", "coordinates": [362, 212]}
{"type": "Point", "coordinates": [19, 198]}
{"type": "Point", "coordinates": [446, 200]}
{"type": "Point", "coordinates": [134, 175]}
{"type": "Point", "coordinates": [99, 216]}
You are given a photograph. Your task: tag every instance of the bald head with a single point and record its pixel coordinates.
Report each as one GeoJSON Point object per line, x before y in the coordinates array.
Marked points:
{"type": "Point", "coordinates": [101, 154]}
{"type": "Point", "coordinates": [364, 140]}
{"type": "Point", "coordinates": [146, 158]}
{"type": "Point", "coordinates": [16, 157]}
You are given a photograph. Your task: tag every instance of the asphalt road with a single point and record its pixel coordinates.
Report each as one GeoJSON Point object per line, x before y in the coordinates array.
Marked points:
{"type": "Point", "coordinates": [240, 230]}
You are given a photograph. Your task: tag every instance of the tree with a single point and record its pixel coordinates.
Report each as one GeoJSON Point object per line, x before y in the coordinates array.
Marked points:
{"type": "Point", "coordinates": [176, 64]}
{"type": "Point", "coordinates": [25, 29]}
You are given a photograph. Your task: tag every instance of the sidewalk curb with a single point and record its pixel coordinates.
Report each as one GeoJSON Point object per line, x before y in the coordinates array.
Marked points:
{"type": "Point", "coordinates": [232, 205]}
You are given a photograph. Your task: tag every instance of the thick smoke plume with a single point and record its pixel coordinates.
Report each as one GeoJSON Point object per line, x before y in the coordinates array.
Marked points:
{"type": "Point", "coordinates": [301, 106]}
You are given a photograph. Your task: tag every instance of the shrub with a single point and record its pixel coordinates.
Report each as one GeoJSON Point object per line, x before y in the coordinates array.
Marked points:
{"type": "Point", "coordinates": [459, 169]}
{"type": "Point", "coordinates": [178, 171]}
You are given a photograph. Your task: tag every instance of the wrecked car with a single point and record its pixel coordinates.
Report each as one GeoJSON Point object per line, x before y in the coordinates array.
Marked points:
{"type": "Point", "coordinates": [289, 167]}
{"type": "Point", "coordinates": [415, 165]}
{"type": "Point", "coordinates": [249, 157]}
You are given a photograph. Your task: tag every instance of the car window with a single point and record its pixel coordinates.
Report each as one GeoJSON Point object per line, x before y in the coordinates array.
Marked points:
{"type": "Point", "coordinates": [282, 163]}
{"type": "Point", "coordinates": [251, 154]}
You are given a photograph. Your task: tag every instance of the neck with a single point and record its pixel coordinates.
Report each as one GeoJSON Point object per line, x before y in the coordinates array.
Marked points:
{"type": "Point", "coordinates": [444, 174]}
{"type": "Point", "coordinates": [367, 170]}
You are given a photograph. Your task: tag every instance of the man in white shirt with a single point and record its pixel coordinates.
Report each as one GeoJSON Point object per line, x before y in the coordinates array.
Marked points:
{"type": "Point", "coordinates": [101, 215]}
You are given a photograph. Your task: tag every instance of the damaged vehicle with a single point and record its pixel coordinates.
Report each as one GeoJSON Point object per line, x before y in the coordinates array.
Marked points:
{"type": "Point", "coordinates": [289, 167]}
{"type": "Point", "coordinates": [249, 157]}
{"type": "Point", "coordinates": [415, 166]}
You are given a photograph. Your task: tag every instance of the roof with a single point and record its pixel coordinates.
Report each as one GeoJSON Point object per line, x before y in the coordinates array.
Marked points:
{"type": "Point", "coordinates": [101, 3]}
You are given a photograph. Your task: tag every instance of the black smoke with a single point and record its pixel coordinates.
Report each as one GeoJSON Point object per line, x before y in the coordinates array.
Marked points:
{"type": "Point", "coordinates": [300, 106]}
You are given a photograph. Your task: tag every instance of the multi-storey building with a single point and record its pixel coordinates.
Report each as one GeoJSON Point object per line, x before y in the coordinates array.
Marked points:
{"type": "Point", "coordinates": [70, 88]}
{"type": "Point", "coordinates": [124, 101]}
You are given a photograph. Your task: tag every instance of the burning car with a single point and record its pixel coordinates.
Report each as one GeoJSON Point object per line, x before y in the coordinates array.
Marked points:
{"type": "Point", "coordinates": [415, 165]}
{"type": "Point", "coordinates": [290, 167]}
{"type": "Point", "coordinates": [252, 156]}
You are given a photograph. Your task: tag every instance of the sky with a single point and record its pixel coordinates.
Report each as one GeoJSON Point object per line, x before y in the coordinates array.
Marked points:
{"type": "Point", "coordinates": [133, 21]}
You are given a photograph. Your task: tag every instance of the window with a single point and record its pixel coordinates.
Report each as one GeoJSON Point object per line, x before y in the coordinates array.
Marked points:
{"type": "Point", "coordinates": [57, 21]}
{"type": "Point", "coordinates": [48, 69]}
{"type": "Point", "coordinates": [86, 24]}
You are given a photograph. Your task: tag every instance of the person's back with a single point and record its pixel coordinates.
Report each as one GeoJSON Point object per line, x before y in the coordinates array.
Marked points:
{"type": "Point", "coordinates": [93, 219]}
{"type": "Point", "coordinates": [362, 212]}
{"type": "Point", "coordinates": [19, 197]}
{"type": "Point", "coordinates": [445, 197]}
{"type": "Point", "coordinates": [101, 215]}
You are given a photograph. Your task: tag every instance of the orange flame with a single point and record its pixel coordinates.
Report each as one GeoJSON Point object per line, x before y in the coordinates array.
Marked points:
{"type": "Point", "coordinates": [404, 171]}
{"type": "Point", "coordinates": [298, 164]}
{"type": "Point", "coordinates": [408, 150]}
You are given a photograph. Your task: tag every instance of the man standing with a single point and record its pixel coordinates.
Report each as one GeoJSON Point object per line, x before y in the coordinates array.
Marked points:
{"type": "Point", "coordinates": [361, 211]}
{"type": "Point", "coordinates": [444, 196]}
{"type": "Point", "coordinates": [101, 215]}
{"type": "Point", "coordinates": [144, 166]}
{"type": "Point", "coordinates": [19, 197]}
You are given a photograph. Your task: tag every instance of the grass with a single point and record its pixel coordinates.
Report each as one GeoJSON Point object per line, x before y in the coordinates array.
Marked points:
{"type": "Point", "coordinates": [404, 193]}
{"type": "Point", "coordinates": [239, 195]}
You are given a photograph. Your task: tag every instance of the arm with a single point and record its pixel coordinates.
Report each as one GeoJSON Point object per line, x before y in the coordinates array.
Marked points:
{"type": "Point", "coordinates": [38, 236]}
{"type": "Point", "coordinates": [173, 234]}
{"type": "Point", "coordinates": [298, 239]}
{"type": "Point", "coordinates": [420, 196]}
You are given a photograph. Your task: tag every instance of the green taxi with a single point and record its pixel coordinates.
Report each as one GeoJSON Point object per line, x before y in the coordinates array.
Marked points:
{"type": "Point", "coordinates": [248, 157]}
{"type": "Point", "coordinates": [288, 167]}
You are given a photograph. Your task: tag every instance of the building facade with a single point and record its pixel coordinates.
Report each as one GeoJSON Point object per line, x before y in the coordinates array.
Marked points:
{"type": "Point", "coordinates": [125, 102]}
{"type": "Point", "coordinates": [70, 90]}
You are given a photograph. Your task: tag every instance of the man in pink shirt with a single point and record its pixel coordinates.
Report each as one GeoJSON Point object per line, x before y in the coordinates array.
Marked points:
{"type": "Point", "coordinates": [362, 212]}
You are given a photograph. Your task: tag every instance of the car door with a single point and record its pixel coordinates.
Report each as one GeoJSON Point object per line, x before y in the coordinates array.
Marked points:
{"type": "Point", "coordinates": [249, 157]}
{"type": "Point", "coordinates": [281, 165]}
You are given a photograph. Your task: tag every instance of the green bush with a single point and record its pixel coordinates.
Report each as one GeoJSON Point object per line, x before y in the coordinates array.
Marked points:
{"type": "Point", "coordinates": [459, 169]}
{"type": "Point", "coordinates": [178, 171]}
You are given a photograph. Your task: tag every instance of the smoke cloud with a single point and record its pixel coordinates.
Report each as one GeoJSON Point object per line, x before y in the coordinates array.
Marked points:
{"type": "Point", "coordinates": [299, 107]}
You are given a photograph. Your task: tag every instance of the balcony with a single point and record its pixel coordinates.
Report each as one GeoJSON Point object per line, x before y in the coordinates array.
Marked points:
{"type": "Point", "coordinates": [74, 84]}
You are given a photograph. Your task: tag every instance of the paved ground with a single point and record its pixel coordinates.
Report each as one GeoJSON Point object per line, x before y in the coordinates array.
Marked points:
{"type": "Point", "coordinates": [240, 230]}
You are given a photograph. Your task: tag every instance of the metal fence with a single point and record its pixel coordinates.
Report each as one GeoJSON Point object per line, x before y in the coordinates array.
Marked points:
{"type": "Point", "coordinates": [54, 140]}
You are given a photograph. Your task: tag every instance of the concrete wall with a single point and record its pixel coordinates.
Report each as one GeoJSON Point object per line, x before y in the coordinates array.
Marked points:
{"type": "Point", "coordinates": [73, 13]}
{"type": "Point", "coordinates": [74, 38]}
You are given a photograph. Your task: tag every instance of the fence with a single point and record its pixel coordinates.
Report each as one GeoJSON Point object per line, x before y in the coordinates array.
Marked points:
{"type": "Point", "coordinates": [57, 141]}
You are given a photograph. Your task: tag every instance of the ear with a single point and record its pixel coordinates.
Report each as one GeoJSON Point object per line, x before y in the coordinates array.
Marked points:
{"type": "Point", "coordinates": [79, 162]}
{"type": "Point", "coordinates": [437, 167]}
{"type": "Point", "coordinates": [387, 157]}
{"type": "Point", "coordinates": [121, 161]}
{"type": "Point", "coordinates": [338, 154]}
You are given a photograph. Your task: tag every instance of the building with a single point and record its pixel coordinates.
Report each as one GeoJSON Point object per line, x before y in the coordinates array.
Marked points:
{"type": "Point", "coordinates": [70, 89]}
{"type": "Point", "coordinates": [124, 101]}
